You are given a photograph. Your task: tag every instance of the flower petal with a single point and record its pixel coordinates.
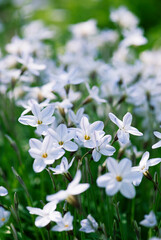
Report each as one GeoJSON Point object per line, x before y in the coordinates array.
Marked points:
{"type": "Point", "coordinates": [42, 221]}
{"type": "Point", "coordinates": [3, 191]}
{"type": "Point", "coordinates": [70, 146]}
{"type": "Point", "coordinates": [127, 190]}
{"type": "Point", "coordinates": [115, 120]}
{"type": "Point", "coordinates": [127, 119]}
{"type": "Point", "coordinates": [39, 165]}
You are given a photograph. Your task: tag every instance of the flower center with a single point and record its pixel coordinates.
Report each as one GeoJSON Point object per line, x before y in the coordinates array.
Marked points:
{"type": "Point", "coordinates": [86, 137]}
{"type": "Point", "coordinates": [61, 143]}
{"type": "Point", "coordinates": [66, 225]}
{"type": "Point", "coordinates": [44, 155]}
{"type": "Point", "coordinates": [119, 178]}
{"type": "Point", "coordinates": [39, 122]}
{"type": "Point", "coordinates": [3, 219]}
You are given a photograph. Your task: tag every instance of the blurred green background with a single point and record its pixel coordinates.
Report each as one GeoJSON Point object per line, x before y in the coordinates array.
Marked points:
{"type": "Point", "coordinates": [13, 14]}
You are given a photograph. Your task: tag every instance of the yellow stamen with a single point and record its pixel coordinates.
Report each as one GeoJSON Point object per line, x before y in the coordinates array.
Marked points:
{"type": "Point", "coordinates": [66, 225]}
{"type": "Point", "coordinates": [39, 122]}
{"type": "Point", "coordinates": [3, 219]}
{"type": "Point", "coordinates": [119, 178]}
{"type": "Point", "coordinates": [44, 155]}
{"type": "Point", "coordinates": [86, 137]}
{"type": "Point", "coordinates": [61, 143]}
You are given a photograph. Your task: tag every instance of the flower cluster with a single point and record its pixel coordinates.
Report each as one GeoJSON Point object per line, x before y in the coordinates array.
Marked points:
{"type": "Point", "coordinates": [73, 104]}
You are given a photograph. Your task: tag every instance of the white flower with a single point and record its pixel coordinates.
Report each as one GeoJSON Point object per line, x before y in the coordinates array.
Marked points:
{"type": "Point", "coordinates": [41, 118]}
{"type": "Point", "coordinates": [86, 130]}
{"type": "Point", "coordinates": [134, 37]}
{"type": "Point", "coordinates": [93, 93]}
{"type": "Point", "coordinates": [119, 178]}
{"type": "Point", "coordinates": [63, 167]}
{"type": "Point", "coordinates": [31, 66]}
{"type": "Point", "coordinates": [45, 215]}
{"type": "Point", "coordinates": [72, 76]}
{"type": "Point", "coordinates": [4, 216]}
{"type": "Point", "coordinates": [84, 29]}
{"type": "Point", "coordinates": [19, 47]}
{"type": "Point", "coordinates": [65, 104]}
{"type": "Point", "coordinates": [76, 118]}
{"type": "Point", "coordinates": [3, 191]}
{"type": "Point", "coordinates": [149, 220]}
{"type": "Point", "coordinates": [144, 165]}
{"type": "Point", "coordinates": [64, 223]}
{"type": "Point", "coordinates": [124, 127]}
{"type": "Point", "coordinates": [158, 144]}
{"type": "Point", "coordinates": [74, 188]}
{"type": "Point", "coordinates": [101, 146]}
{"type": "Point", "coordinates": [88, 225]}
{"type": "Point", "coordinates": [44, 153]}
{"type": "Point", "coordinates": [124, 18]}
{"type": "Point", "coordinates": [62, 138]}
{"type": "Point", "coordinates": [28, 105]}
{"type": "Point", "coordinates": [36, 31]}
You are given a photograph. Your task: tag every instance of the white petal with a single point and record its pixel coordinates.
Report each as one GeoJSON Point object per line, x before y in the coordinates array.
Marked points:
{"type": "Point", "coordinates": [138, 181]}
{"type": "Point", "coordinates": [36, 211]}
{"type": "Point", "coordinates": [57, 153]}
{"type": "Point", "coordinates": [36, 111]}
{"type": "Point", "coordinates": [62, 131]}
{"type": "Point", "coordinates": [157, 134]}
{"type": "Point", "coordinates": [127, 190]}
{"type": "Point", "coordinates": [47, 144]}
{"type": "Point", "coordinates": [76, 179]}
{"type": "Point", "coordinates": [72, 115]}
{"type": "Point", "coordinates": [28, 120]}
{"type": "Point", "coordinates": [134, 131]}
{"type": "Point", "coordinates": [107, 150]}
{"type": "Point", "coordinates": [79, 188]}
{"type": "Point", "coordinates": [96, 155]}
{"type": "Point", "coordinates": [3, 191]}
{"type": "Point", "coordinates": [64, 164]}
{"type": "Point", "coordinates": [79, 113]}
{"type": "Point", "coordinates": [54, 134]}
{"type": "Point", "coordinates": [154, 161]}
{"type": "Point", "coordinates": [127, 119]}
{"type": "Point", "coordinates": [49, 207]}
{"type": "Point", "coordinates": [61, 195]}
{"type": "Point", "coordinates": [58, 228]}
{"type": "Point", "coordinates": [35, 143]}
{"type": "Point", "coordinates": [124, 166]}
{"type": "Point", "coordinates": [84, 123]}
{"type": "Point", "coordinates": [42, 221]}
{"type": "Point", "coordinates": [112, 187]}
{"type": "Point", "coordinates": [70, 146]}
{"type": "Point", "coordinates": [39, 165]}
{"type": "Point", "coordinates": [144, 159]}
{"type": "Point", "coordinates": [96, 126]}
{"type": "Point", "coordinates": [123, 136]}
{"type": "Point", "coordinates": [156, 145]}
{"type": "Point", "coordinates": [70, 164]}
{"type": "Point", "coordinates": [115, 120]}
{"type": "Point", "coordinates": [103, 180]}
{"type": "Point", "coordinates": [112, 165]}
{"type": "Point", "coordinates": [133, 176]}
{"type": "Point", "coordinates": [69, 136]}
{"type": "Point", "coordinates": [55, 216]}
{"type": "Point", "coordinates": [47, 112]}
{"type": "Point", "coordinates": [35, 153]}
{"type": "Point", "coordinates": [89, 144]}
